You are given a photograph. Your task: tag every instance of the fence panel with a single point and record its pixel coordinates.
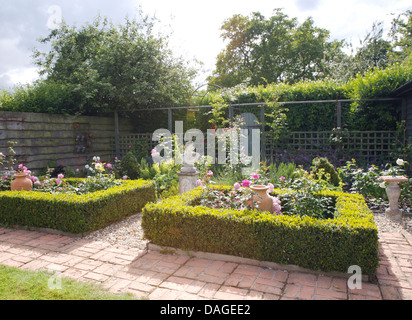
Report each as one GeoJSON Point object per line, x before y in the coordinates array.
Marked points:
{"type": "Point", "coordinates": [370, 146]}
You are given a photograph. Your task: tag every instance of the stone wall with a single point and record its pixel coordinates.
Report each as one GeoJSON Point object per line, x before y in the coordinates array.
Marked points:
{"type": "Point", "coordinates": [52, 140]}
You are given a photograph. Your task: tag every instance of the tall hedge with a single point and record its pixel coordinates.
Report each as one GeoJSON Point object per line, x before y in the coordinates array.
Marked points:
{"type": "Point", "coordinates": [375, 84]}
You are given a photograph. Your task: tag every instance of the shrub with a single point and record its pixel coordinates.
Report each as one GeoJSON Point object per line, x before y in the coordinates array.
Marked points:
{"type": "Point", "coordinates": [323, 168]}
{"type": "Point", "coordinates": [130, 166]}
{"type": "Point", "coordinates": [75, 213]}
{"type": "Point", "coordinates": [319, 244]}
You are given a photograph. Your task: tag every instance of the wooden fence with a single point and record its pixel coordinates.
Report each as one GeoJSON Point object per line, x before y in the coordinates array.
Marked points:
{"type": "Point", "coordinates": [52, 140]}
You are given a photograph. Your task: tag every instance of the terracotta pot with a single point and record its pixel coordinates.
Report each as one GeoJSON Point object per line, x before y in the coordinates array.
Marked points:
{"type": "Point", "coordinates": [21, 182]}
{"type": "Point", "coordinates": [264, 201]}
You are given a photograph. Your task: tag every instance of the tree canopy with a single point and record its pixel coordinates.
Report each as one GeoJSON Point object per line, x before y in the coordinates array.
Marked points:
{"type": "Point", "coordinates": [278, 49]}
{"type": "Point", "coordinates": [107, 67]}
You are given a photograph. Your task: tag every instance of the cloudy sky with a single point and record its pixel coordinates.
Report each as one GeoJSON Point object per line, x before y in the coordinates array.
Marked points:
{"type": "Point", "coordinates": [194, 25]}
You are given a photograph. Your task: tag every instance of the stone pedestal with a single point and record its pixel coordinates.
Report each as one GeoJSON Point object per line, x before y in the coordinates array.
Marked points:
{"type": "Point", "coordinates": [393, 191]}
{"type": "Point", "coordinates": [187, 178]}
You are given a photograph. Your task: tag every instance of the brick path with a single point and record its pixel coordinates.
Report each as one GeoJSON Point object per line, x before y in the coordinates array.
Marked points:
{"type": "Point", "coordinates": [160, 276]}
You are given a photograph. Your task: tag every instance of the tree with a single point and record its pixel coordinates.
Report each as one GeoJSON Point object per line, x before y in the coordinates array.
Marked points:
{"type": "Point", "coordinates": [261, 50]}
{"type": "Point", "coordinates": [108, 67]}
{"type": "Point", "coordinates": [401, 33]}
{"type": "Point", "coordinates": [374, 52]}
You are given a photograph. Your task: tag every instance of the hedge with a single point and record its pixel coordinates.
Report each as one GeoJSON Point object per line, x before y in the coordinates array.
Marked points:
{"type": "Point", "coordinates": [350, 238]}
{"type": "Point", "coordinates": [75, 213]}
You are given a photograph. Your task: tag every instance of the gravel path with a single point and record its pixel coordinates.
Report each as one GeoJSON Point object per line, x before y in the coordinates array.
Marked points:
{"type": "Point", "coordinates": [128, 232]}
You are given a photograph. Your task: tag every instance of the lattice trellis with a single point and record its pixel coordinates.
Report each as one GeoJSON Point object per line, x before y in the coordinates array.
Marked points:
{"type": "Point", "coordinates": [369, 145]}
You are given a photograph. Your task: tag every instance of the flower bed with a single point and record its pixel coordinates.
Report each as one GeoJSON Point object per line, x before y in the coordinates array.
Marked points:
{"type": "Point", "coordinates": [334, 244]}
{"type": "Point", "coordinates": [75, 213]}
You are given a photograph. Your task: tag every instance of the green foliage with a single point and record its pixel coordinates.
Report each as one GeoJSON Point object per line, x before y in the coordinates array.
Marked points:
{"type": "Point", "coordinates": [401, 34]}
{"type": "Point", "coordinates": [319, 244]}
{"type": "Point", "coordinates": [363, 181]}
{"type": "Point", "coordinates": [273, 172]}
{"type": "Point", "coordinates": [273, 49]}
{"type": "Point", "coordinates": [326, 171]}
{"type": "Point", "coordinates": [40, 97]}
{"type": "Point", "coordinates": [75, 213]}
{"type": "Point", "coordinates": [379, 83]}
{"type": "Point", "coordinates": [130, 166]}
{"type": "Point", "coordinates": [107, 67]}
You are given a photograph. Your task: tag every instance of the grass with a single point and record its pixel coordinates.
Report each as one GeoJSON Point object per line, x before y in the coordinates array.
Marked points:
{"type": "Point", "coordinates": [16, 284]}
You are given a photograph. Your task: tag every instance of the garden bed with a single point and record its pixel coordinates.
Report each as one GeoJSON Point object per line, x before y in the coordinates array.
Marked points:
{"type": "Point", "coordinates": [75, 213]}
{"type": "Point", "coordinates": [333, 244]}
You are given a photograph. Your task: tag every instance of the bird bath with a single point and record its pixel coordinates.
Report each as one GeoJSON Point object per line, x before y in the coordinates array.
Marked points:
{"type": "Point", "coordinates": [393, 191]}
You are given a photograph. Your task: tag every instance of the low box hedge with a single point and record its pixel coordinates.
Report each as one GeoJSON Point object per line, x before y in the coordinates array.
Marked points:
{"type": "Point", "coordinates": [75, 213]}
{"type": "Point", "coordinates": [350, 238]}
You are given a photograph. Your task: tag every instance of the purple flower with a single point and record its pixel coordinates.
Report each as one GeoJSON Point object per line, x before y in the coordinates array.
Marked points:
{"type": "Point", "coordinates": [198, 183]}
{"type": "Point", "coordinates": [236, 186]}
{"type": "Point", "coordinates": [124, 177]}
{"type": "Point", "coordinates": [58, 181]}
{"type": "Point", "coordinates": [245, 183]}
{"type": "Point", "coordinates": [37, 183]}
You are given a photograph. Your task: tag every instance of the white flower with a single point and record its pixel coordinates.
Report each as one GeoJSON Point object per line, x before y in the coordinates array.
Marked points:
{"type": "Point", "coordinates": [399, 162]}
{"type": "Point", "coordinates": [382, 185]}
{"type": "Point", "coordinates": [99, 166]}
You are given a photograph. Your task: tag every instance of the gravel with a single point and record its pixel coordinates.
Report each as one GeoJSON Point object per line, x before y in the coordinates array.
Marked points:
{"type": "Point", "coordinates": [128, 232]}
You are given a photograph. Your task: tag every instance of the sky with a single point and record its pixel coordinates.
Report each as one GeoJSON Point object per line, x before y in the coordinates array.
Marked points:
{"type": "Point", "coordinates": [193, 26]}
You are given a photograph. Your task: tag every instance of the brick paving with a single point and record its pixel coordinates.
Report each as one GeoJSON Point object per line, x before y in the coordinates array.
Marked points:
{"type": "Point", "coordinates": [156, 276]}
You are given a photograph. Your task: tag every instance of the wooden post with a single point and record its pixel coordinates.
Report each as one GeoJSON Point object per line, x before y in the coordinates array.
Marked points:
{"type": "Point", "coordinates": [169, 120]}
{"type": "Point", "coordinates": [262, 133]}
{"type": "Point", "coordinates": [231, 114]}
{"type": "Point", "coordinates": [116, 133]}
{"type": "Point", "coordinates": [339, 115]}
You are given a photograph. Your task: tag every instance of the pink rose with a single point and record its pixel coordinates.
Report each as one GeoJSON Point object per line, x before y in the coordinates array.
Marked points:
{"type": "Point", "coordinates": [245, 183]}
{"type": "Point", "coordinates": [255, 176]}
{"type": "Point", "coordinates": [282, 178]}
{"type": "Point", "coordinates": [60, 176]}
{"type": "Point", "coordinates": [198, 183]}
{"type": "Point", "coordinates": [236, 186]}
{"type": "Point", "coordinates": [271, 187]}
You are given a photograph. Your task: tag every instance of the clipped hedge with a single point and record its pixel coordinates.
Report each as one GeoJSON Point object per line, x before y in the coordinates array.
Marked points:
{"type": "Point", "coordinates": [351, 238]}
{"type": "Point", "coordinates": [75, 213]}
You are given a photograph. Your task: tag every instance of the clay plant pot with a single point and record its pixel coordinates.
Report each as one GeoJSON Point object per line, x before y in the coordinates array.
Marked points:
{"type": "Point", "coordinates": [21, 182]}
{"type": "Point", "coordinates": [264, 201]}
